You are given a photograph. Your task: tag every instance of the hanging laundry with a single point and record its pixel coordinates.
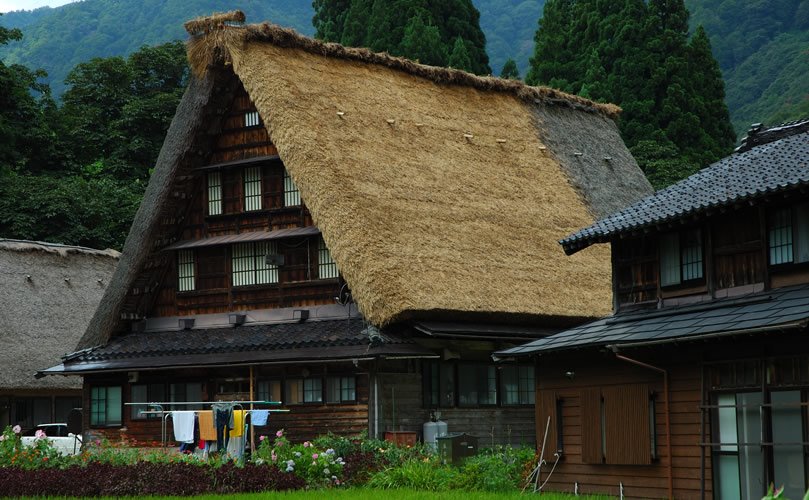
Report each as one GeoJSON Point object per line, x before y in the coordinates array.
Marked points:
{"type": "Point", "coordinates": [183, 426]}
{"type": "Point", "coordinates": [207, 431]}
{"type": "Point", "coordinates": [259, 417]}
{"type": "Point", "coordinates": [238, 424]}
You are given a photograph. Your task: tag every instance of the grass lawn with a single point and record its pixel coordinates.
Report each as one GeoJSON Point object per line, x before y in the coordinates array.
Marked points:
{"type": "Point", "coordinates": [372, 494]}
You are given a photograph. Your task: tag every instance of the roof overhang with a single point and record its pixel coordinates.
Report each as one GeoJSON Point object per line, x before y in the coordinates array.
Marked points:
{"type": "Point", "coordinates": [247, 237]}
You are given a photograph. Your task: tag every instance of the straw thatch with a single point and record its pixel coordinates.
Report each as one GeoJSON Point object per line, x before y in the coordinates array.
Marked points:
{"type": "Point", "coordinates": [48, 294]}
{"type": "Point", "coordinates": [438, 192]}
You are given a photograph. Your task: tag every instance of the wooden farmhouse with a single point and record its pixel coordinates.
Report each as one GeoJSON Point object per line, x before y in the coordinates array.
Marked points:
{"type": "Point", "coordinates": [698, 385]}
{"type": "Point", "coordinates": [48, 293]}
{"type": "Point", "coordinates": [353, 234]}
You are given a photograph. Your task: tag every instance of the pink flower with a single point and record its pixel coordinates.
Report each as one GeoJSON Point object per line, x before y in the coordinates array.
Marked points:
{"type": "Point", "coordinates": [314, 456]}
{"type": "Point", "coordinates": [262, 438]}
{"type": "Point", "coordinates": [306, 444]}
{"type": "Point", "coordinates": [40, 434]}
{"type": "Point", "coordinates": [273, 456]}
{"type": "Point", "coordinates": [17, 429]}
{"type": "Point", "coordinates": [2, 438]}
{"type": "Point", "coordinates": [280, 433]}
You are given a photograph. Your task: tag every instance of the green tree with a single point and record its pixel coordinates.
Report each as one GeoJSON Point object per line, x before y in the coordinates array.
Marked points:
{"type": "Point", "coordinates": [459, 57]}
{"type": "Point", "coordinates": [510, 70]}
{"type": "Point", "coordinates": [394, 26]}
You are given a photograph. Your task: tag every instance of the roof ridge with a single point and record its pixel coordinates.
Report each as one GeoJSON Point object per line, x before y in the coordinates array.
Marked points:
{"type": "Point", "coordinates": [15, 245]}
{"type": "Point", "coordinates": [213, 38]}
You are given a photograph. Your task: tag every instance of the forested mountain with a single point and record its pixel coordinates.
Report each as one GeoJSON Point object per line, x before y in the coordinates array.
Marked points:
{"type": "Point", "coordinates": [761, 45]}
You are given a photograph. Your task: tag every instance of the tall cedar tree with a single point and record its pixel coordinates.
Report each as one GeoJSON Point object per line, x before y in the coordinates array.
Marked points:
{"type": "Point", "coordinates": [510, 70]}
{"type": "Point", "coordinates": [636, 55]}
{"type": "Point", "coordinates": [426, 30]}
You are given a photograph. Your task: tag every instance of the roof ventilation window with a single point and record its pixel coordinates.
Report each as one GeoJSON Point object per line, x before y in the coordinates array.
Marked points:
{"type": "Point", "coordinates": [251, 119]}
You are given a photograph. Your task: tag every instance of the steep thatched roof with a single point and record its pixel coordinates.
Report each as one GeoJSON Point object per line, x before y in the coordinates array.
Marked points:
{"type": "Point", "coordinates": [436, 190]}
{"type": "Point", "coordinates": [48, 294]}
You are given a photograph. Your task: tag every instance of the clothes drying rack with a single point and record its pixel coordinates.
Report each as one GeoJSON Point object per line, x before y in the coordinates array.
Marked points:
{"type": "Point", "coordinates": [165, 414]}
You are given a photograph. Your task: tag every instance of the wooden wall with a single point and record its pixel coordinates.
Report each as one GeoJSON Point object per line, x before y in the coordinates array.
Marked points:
{"type": "Point", "coordinates": [303, 422]}
{"type": "Point", "coordinates": [597, 372]}
{"type": "Point", "coordinates": [402, 384]}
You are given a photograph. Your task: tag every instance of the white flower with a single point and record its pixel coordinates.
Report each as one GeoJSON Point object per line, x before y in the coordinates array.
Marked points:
{"type": "Point", "coordinates": [290, 463]}
{"type": "Point", "coordinates": [326, 471]}
{"type": "Point", "coordinates": [297, 454]}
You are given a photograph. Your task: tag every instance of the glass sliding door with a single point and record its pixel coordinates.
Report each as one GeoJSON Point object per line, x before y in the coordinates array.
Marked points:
{"type": "Point", "coordinates": [751, 457]}
{"type": "Point", "coordinates": [789, 469]}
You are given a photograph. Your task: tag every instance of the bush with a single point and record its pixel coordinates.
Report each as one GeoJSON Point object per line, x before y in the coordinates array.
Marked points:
{"type": "Point", "coordinates": [316, 466]}
{"type": "Point", "coordinates": [498, 469]}
{"type": "Point", "coordinates": [427, 474]}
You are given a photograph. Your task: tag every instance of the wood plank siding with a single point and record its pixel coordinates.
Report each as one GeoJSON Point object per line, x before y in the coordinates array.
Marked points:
{"type": "Point", "coordinates": [602, 387]}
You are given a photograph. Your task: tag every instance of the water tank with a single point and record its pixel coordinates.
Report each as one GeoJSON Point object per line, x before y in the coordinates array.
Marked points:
{"type": "Point", "coordinates": [430, 430]}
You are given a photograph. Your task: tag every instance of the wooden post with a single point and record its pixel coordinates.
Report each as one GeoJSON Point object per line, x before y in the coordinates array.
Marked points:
{"type": "Point", "coordinates": [252, 427]}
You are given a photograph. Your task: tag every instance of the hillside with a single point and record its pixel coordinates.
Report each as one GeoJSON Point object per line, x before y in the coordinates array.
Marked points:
{"type": "Point", "coordinates": [762, 47]}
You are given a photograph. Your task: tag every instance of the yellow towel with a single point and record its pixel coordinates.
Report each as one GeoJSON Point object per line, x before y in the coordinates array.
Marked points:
{"type": "Point", "coordinates": [238, 423]}
{"type": "Point", "coordinates": [207, 431]}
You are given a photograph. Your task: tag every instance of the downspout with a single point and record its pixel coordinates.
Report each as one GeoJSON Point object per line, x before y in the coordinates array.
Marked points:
{"type": "Point", "coordinates": [665, 373]}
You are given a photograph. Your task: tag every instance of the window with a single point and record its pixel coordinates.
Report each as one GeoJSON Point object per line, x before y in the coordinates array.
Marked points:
{"type": "Point", "coordinates": [190, 392]}
{"type": "Point", "coordinates": [340, 389]}
{"type": "Point", "coordinates": [269, 390]}
{"type": "Point", "coordinates": [252, 189]}
{"type": "Point", "coordinates": [105, 406]}
{"type": "Point", "coordinates": [326, 267]}
{"type": "Point", "coordinates": [214, 193]}
{"type": "Point", "coordinates": [146, 393]}
{"type": "Point", "coordinates": [306, 390]}
{"type": "Point", "coordinates": [477, 385]}
{"type": "Point", "coordinates": [517, 385]}
{"type": "Point", "coordinates": [680, 257]}
{"type": "Point", "coordinates": [292, 197]}
{"type": "Point", "coordinates": [251, 119]}
{"type": "Point", "coordinates": [185, 271]}
{"type": "Point", "coordinates": [249, 264]}
{"type": "Point", "coordinates": [788, 235]}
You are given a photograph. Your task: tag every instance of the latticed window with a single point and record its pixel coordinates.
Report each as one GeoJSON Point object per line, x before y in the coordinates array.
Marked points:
{"type": "Point", "coordinates": [780, 236]}
{"type": "Point", "coordinates": [105, 406]}
{"type": "Point", "coordinates": [249, 264]}
{"type": "Point", "coordinates": [326, 267]}
{"type": "Point", "coordinates": [251, 119]}
{"type": "Point", "coordinates": [252, 189]}
{"type": "Point", "coordinates": [340, 389]}
{"type": "Point", "coordinates": [517, 385]}
{"type": "Point", "coordinates": [680, 257]}
{"type": "Point", "coordinates": [477, 385]}
{"type": "Point", "coordinates": [292, 197]}
{"type": "Point", "coordinates": [185, 271]}
{"type": "Point", "coordinates": [214, 193]}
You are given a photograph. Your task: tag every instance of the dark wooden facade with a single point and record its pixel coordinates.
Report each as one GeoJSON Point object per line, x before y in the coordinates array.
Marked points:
{"type": "Point", "coordinates": [728, 398]}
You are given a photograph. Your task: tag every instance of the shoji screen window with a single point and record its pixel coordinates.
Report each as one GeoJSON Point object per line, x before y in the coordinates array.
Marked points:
{"type": "Point", "coordinates": [292, 197]}
{"type": "Point", "coordinates": [186, 271]}
{"type": "Point", "coordinates": [249, 264]}
{"type": "Point", "coordinates": [252, 189]}
{"type": "Point", "coordinates": [326, 267]}
{"type": "Point", "coordinates": [214, 193]}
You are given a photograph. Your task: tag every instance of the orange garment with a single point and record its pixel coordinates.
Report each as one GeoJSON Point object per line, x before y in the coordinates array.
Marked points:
{"type": "Point", "coordinates": [207, 431]}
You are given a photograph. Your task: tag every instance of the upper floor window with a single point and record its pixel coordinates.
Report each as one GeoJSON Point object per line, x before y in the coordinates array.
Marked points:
{"type": "Point", "coordinates": [214, 193]}
{"type": "Point", "coordinates": [292, 197]}
{"type": "Point", "coordinates": [326, 267]}
{"type": "Point", "coordinates": [185, 271]}
{"type": "Point", "coordinates": [517, 385]}
{"type": "Point", "coordinates": [252, 189]}
{"type": "Point", "coordinates": [680, 257]}
{"type": "Point", "coordinates": [788, 235]}
{"type": "Point", "coordinates": [251, 119]}
{"type": "Point", "coordinates": [249, 264]}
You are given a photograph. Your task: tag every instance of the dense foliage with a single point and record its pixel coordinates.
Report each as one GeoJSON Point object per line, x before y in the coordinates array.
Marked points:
{"type": "Point", "coordinates": [639, 56]}
{"type": "Point", "coordinates": [118, 469]}
{"type": "Point", "coordinates": [441, 33]}
{"type": "Point", "coordinates": [75, 173]}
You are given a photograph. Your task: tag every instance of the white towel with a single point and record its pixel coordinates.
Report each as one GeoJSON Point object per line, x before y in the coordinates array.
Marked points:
{"type": "Point", "coordinates": [259, 417]}
{"type": "Point", "coordinates": [183, 426]}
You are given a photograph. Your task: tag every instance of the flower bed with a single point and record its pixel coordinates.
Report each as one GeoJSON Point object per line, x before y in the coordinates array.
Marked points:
{"type": "Point", "coordinates": [104, 469]}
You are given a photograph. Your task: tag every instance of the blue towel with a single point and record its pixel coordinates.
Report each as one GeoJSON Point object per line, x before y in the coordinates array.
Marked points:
{"type": "Point", "coordinates": [259, 417]}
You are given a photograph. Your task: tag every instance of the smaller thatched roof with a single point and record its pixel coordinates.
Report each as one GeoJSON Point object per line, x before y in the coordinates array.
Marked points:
{"type": "Point", "coordinates": [48, 294]}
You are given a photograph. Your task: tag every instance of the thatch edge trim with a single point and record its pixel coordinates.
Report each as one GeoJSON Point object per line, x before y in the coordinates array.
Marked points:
{"type": "Point", "coordinates": [188, 120]}
{"type": "Point", "coordinates": [212, 48]}
{"type": "Point", "coordinates": [11, 245]}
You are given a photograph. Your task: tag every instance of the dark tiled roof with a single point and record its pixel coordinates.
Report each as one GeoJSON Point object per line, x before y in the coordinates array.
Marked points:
{"type": "Point", "coordinates": [309, 340]}
{"type": "Point", "coordinates": [767, 168]}
{"type": "Point", "coordinates": [765, 311]}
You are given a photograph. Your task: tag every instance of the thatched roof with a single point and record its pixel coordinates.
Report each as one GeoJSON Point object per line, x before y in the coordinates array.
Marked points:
{"type": "Point", "coordinates": [48, 294]}
{"type": "Point", "coordinates": [436, 190]}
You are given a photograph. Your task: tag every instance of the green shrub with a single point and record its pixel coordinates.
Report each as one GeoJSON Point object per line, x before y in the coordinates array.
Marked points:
{"type": "Point", "coordinates": [427, 474]}
{"type": "Point", "coordinates": [497, 469]}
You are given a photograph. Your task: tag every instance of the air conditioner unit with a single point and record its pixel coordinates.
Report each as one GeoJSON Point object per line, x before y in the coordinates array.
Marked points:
{"type": "Point", "coordinates": [274, 259]}
{"type": "Point", "coordinates": [132, 377]}
{"type": "Point", "coordinates": [237, 319]}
